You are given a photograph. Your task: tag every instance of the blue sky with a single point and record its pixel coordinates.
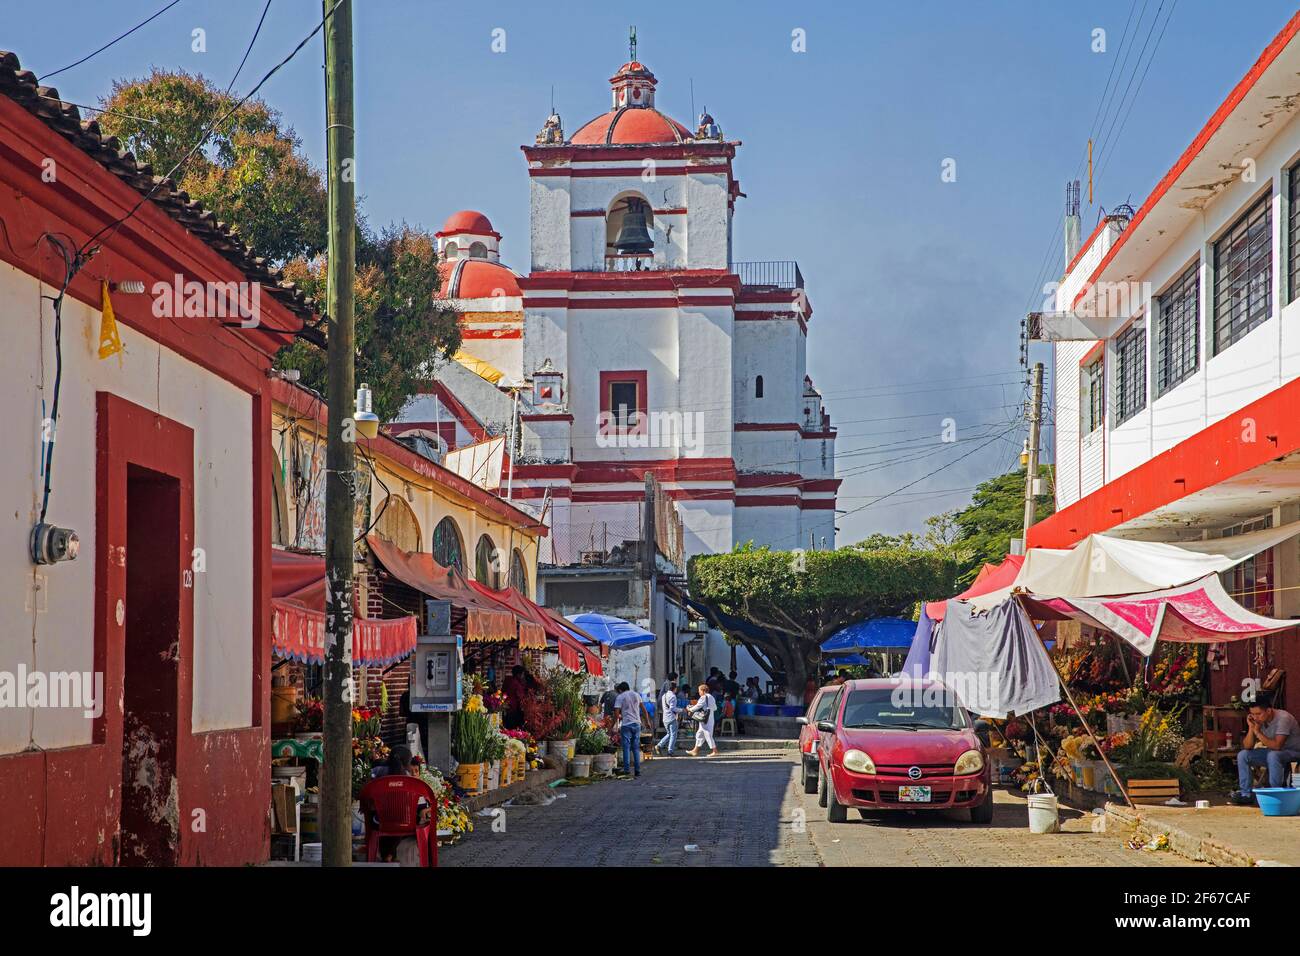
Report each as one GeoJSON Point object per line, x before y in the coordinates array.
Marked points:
{"type": "Point", "coordinates": [918, 285]}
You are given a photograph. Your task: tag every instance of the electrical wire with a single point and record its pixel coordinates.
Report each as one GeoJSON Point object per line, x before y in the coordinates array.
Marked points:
{"type": "Point", "coordinates": [249, 49]}
{"type": "Point", "coordinates": [117, 223]}
{"type": "Point", "coordinates": [123, 36]}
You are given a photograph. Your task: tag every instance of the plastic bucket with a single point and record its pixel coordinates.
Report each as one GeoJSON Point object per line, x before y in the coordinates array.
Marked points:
{"type": "Point", "coordinates": [580, 766]}
{"type": "Point", "coordinates": [1278, 801]}
{"type": "Point", "coordinates": [1044, 813]}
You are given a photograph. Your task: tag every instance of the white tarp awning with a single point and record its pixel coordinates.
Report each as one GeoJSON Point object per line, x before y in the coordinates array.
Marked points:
{"type": "Point", "coordinates": [1106, 566]}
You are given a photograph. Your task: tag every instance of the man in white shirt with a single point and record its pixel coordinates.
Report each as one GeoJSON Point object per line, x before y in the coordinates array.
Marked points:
{"type": "Point", "coordinates": [631, 711]}
{"type": "Point", "coordinates": [702, 711]}
{"type": "Point", "coordinates": [668, 708]}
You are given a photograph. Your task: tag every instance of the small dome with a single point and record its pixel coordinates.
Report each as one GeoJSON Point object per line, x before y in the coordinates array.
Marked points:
{"type": "Point", "coordinates": [467, 221]}
{"type": "Point", "coordinates": [626, 127]}
{"type": "Point", "coordinates": [476, 279]}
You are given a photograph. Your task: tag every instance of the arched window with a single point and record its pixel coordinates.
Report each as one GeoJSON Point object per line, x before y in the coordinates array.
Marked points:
{"type": "Point", "coordinates": [758, 387]}
{"type": "Point", "coordinates": [487, 563]}
{"type": "Point", "coordinates": [399, 525]}
{"type": "Point", "coordinates": [451, 250]}
{"type": "Point", "coordinates": [477, 250]}
{"type": "Point", "coordinates": [447, 547]}
{"type": "Point", "coordinates": [519, 573]}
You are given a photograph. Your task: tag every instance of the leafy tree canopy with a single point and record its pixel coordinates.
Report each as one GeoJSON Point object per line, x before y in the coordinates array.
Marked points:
{"type": "Point", "coordinates": [995, 515]}
{"type": "Point", "coordinates": [252, 174]}
{"type": "Point", "coordinates": [801, 598]}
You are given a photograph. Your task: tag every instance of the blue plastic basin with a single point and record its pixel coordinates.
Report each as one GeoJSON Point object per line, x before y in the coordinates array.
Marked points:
{"type": "Point", "coordinates": [1278, 801]}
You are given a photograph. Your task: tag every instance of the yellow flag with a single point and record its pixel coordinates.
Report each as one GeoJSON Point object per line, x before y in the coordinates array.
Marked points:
{"type": "Point", "coordinates": [110, 343]}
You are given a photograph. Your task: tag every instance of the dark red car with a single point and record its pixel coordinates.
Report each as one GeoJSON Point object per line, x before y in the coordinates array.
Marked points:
{"type": "Point", "coordinates": [821, 708]}
{"type": "Point", "coordinates": [892, 744]}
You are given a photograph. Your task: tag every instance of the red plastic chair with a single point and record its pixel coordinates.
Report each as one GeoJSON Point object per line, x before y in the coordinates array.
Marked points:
{"type": "Point", "coordinates": [394, 801]}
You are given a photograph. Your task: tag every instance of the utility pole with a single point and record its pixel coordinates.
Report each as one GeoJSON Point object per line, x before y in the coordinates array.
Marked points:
{"type": "Point", "coordinates": [1035, 430]}
{"type": "Point", "coordinates": [340, 460]}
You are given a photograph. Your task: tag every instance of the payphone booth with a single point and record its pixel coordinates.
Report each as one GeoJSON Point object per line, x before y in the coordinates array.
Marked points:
{"type": "Point", "coordinates": [435, 682]}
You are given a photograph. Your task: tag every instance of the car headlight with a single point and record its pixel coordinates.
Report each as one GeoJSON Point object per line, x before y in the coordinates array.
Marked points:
{"type": "Point", "coordinates": [858, 762]}
{"type": "Point", "coordinates": [969, 762]}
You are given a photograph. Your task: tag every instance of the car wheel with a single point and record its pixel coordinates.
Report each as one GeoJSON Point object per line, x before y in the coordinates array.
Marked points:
{"type": "Point", "coordinates": [821, 787]}
{"type": "Point", "coordinates": [984, 812]}
{"type": "Point", "coordinates": [809, 781]}
{"type": "Point", "coordinates": [836, 812]}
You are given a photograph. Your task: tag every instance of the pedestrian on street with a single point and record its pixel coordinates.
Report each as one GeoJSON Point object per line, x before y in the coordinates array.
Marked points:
{"type": "Point", "coordinates": [631, 712]}
{"type": "Point", "coordinates": [702, 711]}
{"type": "Point", "coordinates": [668, 708]}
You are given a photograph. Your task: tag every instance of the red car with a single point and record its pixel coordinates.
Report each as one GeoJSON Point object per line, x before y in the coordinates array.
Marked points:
{"type": "Point", "coordinates": [893, 744]}
{"type": "Point", "coordinates": [821, 708]}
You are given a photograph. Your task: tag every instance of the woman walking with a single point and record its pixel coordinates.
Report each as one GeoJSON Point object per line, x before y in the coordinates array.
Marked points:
{"type": "Point", "coordinates": [702, 711]}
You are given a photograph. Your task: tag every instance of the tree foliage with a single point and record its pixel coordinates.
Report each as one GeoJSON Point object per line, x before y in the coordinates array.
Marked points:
{"type": "Point", "coordinates": [251, 172]}
{"type": "Point", "coordinates": [400, 326]}
{"type": "Point", "coordinates": [802, 598]}
{"type": "Point", "coordinates": [253, 175]}
{"type": "Point", "coordinates": [995, 515]}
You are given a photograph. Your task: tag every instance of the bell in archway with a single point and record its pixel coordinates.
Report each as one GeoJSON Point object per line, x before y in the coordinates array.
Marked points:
{"type": "Point", "coordinates": [633, 237]}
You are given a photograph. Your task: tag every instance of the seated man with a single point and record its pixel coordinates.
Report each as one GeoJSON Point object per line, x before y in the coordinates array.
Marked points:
{"type": "Point", "coordinates": [1279, 733]}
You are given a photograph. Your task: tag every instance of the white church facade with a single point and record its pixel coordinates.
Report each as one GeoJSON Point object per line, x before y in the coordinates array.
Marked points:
{"type": "Point", "coordinates": [635, 344]}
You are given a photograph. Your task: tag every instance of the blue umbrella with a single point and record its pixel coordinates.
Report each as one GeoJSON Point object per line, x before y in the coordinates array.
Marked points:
{"type": "Point", "coordinates": [879, 633]}
{"type": "Point", "coordinates": [614, 631]}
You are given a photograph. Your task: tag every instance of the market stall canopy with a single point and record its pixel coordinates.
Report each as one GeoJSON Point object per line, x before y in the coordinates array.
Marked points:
{"type": "Point", "coordinates": [878, 633]}
{"type": "Point", "coordinates": [486, 620]}
{"type": "Point", "coordinates": [1200, 612]}
{"type": "Point", "coordinates": [570, 646]}
{"type": "Point", "coordinates": [619, 634]}
{"type": "Point", "coordinates": [298, 617]}
{"type": "Point", "coordinates": [917, 662]}
{"type": "Point", "coordinates": [993, 661]}
{"type": "Point", "coordinates": [992, 577]}
{"type": "Point", "coordinates": [1106, 566]}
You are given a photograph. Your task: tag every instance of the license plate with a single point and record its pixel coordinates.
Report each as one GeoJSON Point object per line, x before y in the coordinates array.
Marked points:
{"type": "Point", "coordinates": [913, 794]}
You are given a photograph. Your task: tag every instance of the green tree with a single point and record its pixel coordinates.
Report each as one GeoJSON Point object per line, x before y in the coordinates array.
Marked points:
{"type": "Point", "coordinates": [995, 515]}
{"type": "Point", "coordinates": [401, 327]}
{"type": "Point", "coordinates": [250, 172]}
{"type": "Point", "coordinates": [802, 598]}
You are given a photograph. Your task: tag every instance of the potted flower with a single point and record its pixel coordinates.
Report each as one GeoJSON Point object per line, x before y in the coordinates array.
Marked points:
{"type": "Point", "coordinates": [310, 721]}
{"type": "Point", "coordinates": [590, 744]}
{"type": "Point", "coordinates": [469, 744]}
{"type": "Point", "coordinates": [493, 752]}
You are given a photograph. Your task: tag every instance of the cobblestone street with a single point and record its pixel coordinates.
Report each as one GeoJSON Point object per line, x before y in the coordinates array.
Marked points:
{"type": "Point", "coordinates": [741, 809]}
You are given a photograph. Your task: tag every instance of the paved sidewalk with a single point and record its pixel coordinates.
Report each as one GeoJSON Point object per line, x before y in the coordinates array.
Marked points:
{"type": "Point", "coordinates": [1222, 835]}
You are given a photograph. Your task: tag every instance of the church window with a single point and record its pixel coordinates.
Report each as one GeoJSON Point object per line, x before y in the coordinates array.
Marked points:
{"type": "Point", "coordinates": [758, 387]}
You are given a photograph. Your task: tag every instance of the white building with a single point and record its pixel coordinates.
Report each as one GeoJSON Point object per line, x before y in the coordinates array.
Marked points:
{"type": "Point", "coordinates": [1177, 356]}
{"type": "Point", "coordinates": [638, 350]}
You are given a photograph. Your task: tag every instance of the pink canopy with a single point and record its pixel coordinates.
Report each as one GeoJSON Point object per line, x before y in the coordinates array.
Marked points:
{"type": "Point", "coordinates": [1200, 612]}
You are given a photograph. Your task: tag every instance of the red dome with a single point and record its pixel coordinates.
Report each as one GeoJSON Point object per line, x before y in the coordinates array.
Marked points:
{"type": "Point", "coordinates": [467, 221]}
{"type": "Point", "coordinates": [631, 126]}
{"type": "Point", "coordinates": [476, 279]}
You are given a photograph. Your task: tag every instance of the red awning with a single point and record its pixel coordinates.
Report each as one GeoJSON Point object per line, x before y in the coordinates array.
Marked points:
{"type": "Point", "coordinates": [487, 620]}
{"type": "Point", "coordinates": [992, 577]}
{"type": "Point", "coordinates": [298, 617]}
{"type": "Point", "coordinates": [573, 654]}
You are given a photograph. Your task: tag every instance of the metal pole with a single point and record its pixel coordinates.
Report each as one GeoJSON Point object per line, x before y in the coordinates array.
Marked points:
{"type": "Point", "coordinates": [510, 467]}
{"type": "Point", "coordinates": [336, 769]}
{"type": "Point", "coordinates": [1031, 469]}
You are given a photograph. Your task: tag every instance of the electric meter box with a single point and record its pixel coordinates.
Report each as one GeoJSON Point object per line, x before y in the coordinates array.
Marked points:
{"type": "Point", "coordinates": [437, 663]}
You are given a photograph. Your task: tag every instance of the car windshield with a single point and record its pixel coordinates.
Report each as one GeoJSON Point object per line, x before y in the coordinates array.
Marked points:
{"type": "Point", "coordinates": [904, 707]}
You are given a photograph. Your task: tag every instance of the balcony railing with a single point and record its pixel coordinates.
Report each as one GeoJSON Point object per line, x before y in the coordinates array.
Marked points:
{"type": "Point", "coordinates": [769, 274]}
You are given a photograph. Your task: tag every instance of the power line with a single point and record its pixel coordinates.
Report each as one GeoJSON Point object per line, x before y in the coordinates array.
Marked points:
{"type": "Point", "coordinates": [249, 50]}
{"type": "Point", "coordinates": [109, 43]}
{"type": "Point", "coordinates": [208, 132]}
